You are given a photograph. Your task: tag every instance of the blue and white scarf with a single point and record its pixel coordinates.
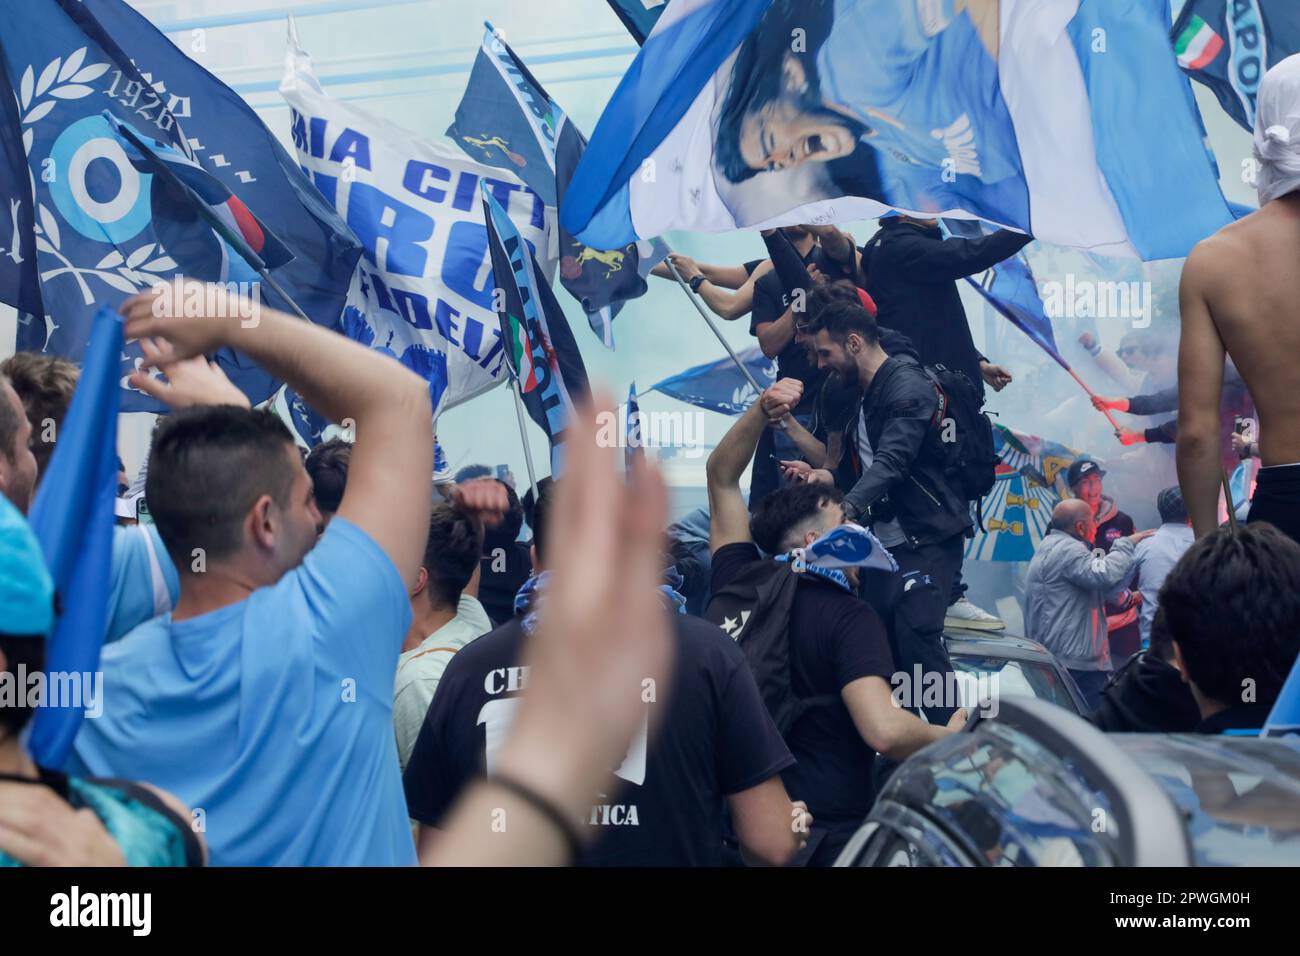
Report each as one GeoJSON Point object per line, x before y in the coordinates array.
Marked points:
{"type": "Point", "coordinates": [844, 546]}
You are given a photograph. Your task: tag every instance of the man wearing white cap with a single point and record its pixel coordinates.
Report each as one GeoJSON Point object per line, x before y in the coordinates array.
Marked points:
{"type": "Point", "coordinates": [1240, 295]}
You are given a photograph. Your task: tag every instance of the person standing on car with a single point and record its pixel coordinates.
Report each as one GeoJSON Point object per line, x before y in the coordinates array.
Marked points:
{"type": "Point", "coordinates": [911, 271]}
{"type": "Point", "coordinates": [904, 491]}
{"type": "Point", "coordinates": [1066, 590]}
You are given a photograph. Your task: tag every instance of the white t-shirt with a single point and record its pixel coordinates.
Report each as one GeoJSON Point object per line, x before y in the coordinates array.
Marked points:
{"type": "Point", "coordinates": [420, 669]}
{"type": "Point", "coordinates": [890, 533]}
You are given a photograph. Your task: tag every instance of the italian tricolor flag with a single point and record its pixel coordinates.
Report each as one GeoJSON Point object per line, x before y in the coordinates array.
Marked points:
{"type": "Point", "coordinates": [521, 351]}
{"type": "Point", "coordinates": [1197, 45]}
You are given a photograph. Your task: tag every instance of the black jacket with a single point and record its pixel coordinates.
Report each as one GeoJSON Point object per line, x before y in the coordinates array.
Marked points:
{"type": "Point", "coordinates": [907, 478]}
{"type": "Point", "coordinates": [1147, 696]}
{"type": "Point", "coordinates": [911, 273]}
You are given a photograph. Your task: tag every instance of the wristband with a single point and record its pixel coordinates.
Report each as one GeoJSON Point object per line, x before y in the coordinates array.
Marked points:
{"type": "Point", "coordinates": [545, 807]}
{"type": "Point", "coordinates": [696, 282]}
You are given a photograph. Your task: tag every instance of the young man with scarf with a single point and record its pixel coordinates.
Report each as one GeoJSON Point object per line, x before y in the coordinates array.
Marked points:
{"type": "Point", "coordinates": [838, 646]}
{"type": "Point", "coordinates": [705, 743]}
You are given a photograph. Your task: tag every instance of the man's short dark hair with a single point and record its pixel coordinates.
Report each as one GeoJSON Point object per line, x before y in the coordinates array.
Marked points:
{"type": "Point", "coordinates": [451, 553]}
{"type": "Point", "coordinates": [470, 472]}
{"type": "Point", "coordinates": [842, 318]}
{"type": "Point", "coordinates": [208, 465]}
{"type": "Point", "coordinates": [537, 505]}
{"type": "Point", "coordinates": [820, 297]}
{"type": "Point", "coordinates": [327, 467]}
{"type": "Point", "coordinates": [1232, 604]}
{"type": "Point", "coordinates": [784, 510]}
{"type": "Point", "coordinates": [27, 651]}
{"type": "Point", "coordinates": [44, 384]}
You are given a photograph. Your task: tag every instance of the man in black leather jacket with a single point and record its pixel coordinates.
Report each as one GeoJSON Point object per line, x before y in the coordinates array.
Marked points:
{"type": "Point", "coordinates": [903, 491]}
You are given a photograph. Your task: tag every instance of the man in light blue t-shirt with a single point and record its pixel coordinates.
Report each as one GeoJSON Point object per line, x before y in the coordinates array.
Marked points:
{"type": "Point", "coordinates": [264, 699]}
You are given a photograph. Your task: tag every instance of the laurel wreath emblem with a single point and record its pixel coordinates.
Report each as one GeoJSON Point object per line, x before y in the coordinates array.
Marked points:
{"type": "Point", "coordinates": [60, 80]}
{"type": "Point", "coordinates": [37, 96]}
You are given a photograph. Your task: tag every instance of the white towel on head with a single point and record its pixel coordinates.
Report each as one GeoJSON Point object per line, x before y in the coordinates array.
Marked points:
{"type": "Point", "coordinates": [1277, 130]}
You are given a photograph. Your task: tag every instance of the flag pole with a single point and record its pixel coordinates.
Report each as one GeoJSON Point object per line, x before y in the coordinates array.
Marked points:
{"type": "Point", "coordinates": [523, 429]}
{"type": "Point", "coordinates": [716, 331]}
{"type": "Point", "coordinates": [1227, 495]}
{"type": "Point", "coordinates": [1091, 394]}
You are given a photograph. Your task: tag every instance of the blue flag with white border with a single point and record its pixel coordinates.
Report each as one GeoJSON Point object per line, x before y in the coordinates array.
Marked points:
{"type": "Point", "coordinates": [743, 113]}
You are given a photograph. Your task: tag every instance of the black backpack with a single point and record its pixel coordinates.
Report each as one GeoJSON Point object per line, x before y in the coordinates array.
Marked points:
{"type": "Point", "coordinates": [972, 461]}
{"type": "Point", "coordinates": [754, 610]}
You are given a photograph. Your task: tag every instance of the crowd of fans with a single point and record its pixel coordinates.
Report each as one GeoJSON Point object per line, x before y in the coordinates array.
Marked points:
{"type": "Point", "coordinates": [312, 659]}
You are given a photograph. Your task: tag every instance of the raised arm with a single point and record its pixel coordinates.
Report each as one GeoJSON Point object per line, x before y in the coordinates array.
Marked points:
{"type": "Point", "coordinates": [1200, 389]}
{"type": "Point", "coordinates": [924, 259]}
{"type": "Point", "coordinates": [389, 481]}
{"type": "Point", "coordinates": [728, 516]}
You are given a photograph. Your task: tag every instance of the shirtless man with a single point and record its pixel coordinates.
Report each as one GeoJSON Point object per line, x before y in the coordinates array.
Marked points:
{"type": "Point", "coordinates": [1239, 295]}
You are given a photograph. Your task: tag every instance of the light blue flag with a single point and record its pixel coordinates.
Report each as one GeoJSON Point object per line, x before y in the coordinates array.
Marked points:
{"type": "Point", "coordinates": [1059, 118]}
{"type": "Point", "coordinates": [72, 519]}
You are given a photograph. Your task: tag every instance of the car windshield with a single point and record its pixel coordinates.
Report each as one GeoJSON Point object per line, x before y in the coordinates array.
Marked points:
{"type": "Point", "coordinates": [1240, 796]}
{"type": "Point", "coordinates": [1008, 800]}
{"type": "Point", "coordinates": [987, 678]}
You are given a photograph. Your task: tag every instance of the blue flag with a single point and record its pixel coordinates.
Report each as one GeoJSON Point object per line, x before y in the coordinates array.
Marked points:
{"type": "Point", "coordinates": [1228, 45]}
{"type": "Point", "coordinates": [506, 119]}
{"type": "Point", "coordinates": [86, 216]}
{"type": "Point", "coordinates": [719, 386]}
{"type": "Point", "coordinates": [745, 113]}
{"type": "Point", "coordinates": [72, 518]}
{"type": "Point", "coordinates": [540, 351]}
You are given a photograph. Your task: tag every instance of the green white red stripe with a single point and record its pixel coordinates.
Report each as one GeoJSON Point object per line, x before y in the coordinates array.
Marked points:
{"type": "Point", "coordinates": [521, 354]}
{"type": "Point", "coordinates": [1197, 45]}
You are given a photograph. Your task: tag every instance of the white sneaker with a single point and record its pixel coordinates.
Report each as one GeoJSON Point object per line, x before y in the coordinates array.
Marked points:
{"type": "Point", "coordinates": [962, 613]}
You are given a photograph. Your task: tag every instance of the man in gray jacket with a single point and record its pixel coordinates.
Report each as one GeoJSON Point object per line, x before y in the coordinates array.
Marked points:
{"type": "Point", "coordinates": [1066, 590]}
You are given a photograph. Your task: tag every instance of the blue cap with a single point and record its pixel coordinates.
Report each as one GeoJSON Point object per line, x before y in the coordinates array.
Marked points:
{"type": "Point", "coordinates": [26, 590]}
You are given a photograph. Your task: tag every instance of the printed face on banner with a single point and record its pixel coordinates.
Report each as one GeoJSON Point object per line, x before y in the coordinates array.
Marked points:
{"type": "Point", "coordinates": [425, 285]}
{"type": "Point", "coordinates": [899, 103]}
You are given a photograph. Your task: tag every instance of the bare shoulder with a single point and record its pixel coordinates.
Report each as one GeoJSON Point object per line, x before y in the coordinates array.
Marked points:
{"type": "Point", "coordinates": [1218, 257]}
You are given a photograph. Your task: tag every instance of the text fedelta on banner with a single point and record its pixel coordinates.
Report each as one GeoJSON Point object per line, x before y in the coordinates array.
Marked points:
{"type": "Point", "coordinates": [425, 289]}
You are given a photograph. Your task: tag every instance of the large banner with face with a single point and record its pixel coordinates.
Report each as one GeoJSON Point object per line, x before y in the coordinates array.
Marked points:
{"type": "Point", "coordinates": [1067, 119]}
{"type": "Point", "coordinates": [424, 288]}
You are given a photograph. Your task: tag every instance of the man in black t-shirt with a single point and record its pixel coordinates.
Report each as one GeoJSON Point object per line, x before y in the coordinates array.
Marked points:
{"type": "Point", "coordinates": [838, 646]}
{"type": "Point", "coordinates": [772, 322]}
{"type": "Point", "coordinates": [708, 743]}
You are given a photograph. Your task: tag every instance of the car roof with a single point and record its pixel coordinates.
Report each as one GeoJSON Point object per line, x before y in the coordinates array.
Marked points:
{"type": "Point", "coordinates": [985, 644]}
